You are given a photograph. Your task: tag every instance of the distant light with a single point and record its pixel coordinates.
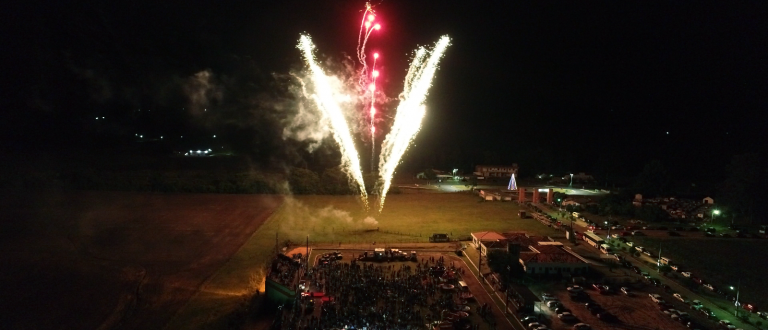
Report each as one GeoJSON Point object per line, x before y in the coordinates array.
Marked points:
{"type": "Point", "coordinates": [716, 212]}
{"type": "Point", "coordinates": [205, 109]}
{"type": "Point", "coordinates": [199, 151]}
{"type": "Point", "coordinates": [102, 117]}
{"type": "Point", "coordinates": [141, 136]}
{"type": "Point", "coordinates": [97, 118]}
{"type": "Point", "coordinates": [182, 136]}
{"type": "Point", "coordinates": [667, 133]}
{"type": "Point", "coordinates": [214, 136]}
{"type": "Point", "coordinates": [161, 137]}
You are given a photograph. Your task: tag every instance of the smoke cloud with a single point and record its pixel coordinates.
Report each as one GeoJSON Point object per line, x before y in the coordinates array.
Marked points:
{"type": "Point", "coordinates": [301, 220]}
{"type": "Point", "coordinates": [201, 89]}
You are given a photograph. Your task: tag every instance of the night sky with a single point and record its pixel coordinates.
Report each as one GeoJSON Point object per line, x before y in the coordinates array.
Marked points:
{"type": "Point", "coordinates": [553, 86]}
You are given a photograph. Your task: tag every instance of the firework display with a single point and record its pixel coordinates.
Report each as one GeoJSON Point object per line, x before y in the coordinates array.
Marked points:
{"type": "Point", "coordinates": [407, 118]}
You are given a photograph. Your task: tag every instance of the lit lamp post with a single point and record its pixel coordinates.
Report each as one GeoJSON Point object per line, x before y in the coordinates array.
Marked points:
{"type": "Point", "coordinates": [571, 184]}
{"type": "Point", "coordinates": [715, 213]}
{"type": "Point", "coordinates": [737, 298]}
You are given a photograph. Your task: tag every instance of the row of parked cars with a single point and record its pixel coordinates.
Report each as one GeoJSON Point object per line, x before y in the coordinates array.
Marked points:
{"type": "Point", "coordinates": [688, 274]}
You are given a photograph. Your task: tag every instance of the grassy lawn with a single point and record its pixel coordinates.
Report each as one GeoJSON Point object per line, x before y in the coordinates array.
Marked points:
{"type": "Point", "coordinates": [722, 262]}
{"type": "Point", "coordinates": [405, 218]}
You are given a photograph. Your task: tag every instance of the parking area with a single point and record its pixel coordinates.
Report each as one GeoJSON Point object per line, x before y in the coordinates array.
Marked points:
{"type": "Point", "coordinates": [637, 311]}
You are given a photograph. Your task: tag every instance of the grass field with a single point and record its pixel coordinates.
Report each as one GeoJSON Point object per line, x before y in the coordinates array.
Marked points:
{"type": "Point", "coordinates": [99, 260]}
{"type": "Point", "coordinates": [342, 219]}
{"type": "Point", "coordinates": [722, 262]}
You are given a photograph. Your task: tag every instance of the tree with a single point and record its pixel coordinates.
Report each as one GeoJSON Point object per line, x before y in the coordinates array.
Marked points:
{"type": "Point", "coordinates": [505, 264]}
{"type": "Point", "coordinates": [303, 181]}
{"type": "Point", "coordinates": [744, 190]}
{"type": "Point", "coordinates": [653, 180]}
{"type": "Point", "coordinates": [651, 213]}
{"type": "Point", "coordinates": [430, 174]}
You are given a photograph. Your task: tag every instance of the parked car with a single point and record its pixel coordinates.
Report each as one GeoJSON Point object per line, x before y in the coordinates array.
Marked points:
{"type": "Point", "coordinates": [529, 319]}
{"type": "Point", "coordinates": [561, 310]}
{"type": "Point", "coordinates": [547, 297]}
{"type": "Point", "coordinates": [679, 296]}
{"type": "Point", "coordinates": [724, 235]}
{"type": "Point", "coordinates": [575, 289]}
{"type": "Point", "coordinates": [656, 298]}
{"type": "Point", "coordinates": [626, 291]}
{"type": "Point", "coordinates": [566, 317]}
{"type": "Point", "coordinates": [629, 243]}
{"type": "Point", "coordinates": [686, 274]}
{"type": "Point", "coordinates": [648, 253]}
{"type": "Point", "coordinates": [709, 286]}
{"type": "Point", "coordinates": [639, 248]}
{"type": "Point", "coordinates": [708, 234]}
{"type": "Point", "coordinates": [553, 303]}
{"type": "Point", "coordinates": [636, 269]}
{"type": "Point", "coordinates": [581, 326]}
{"type": "Point", "coordinates": [674, 267]}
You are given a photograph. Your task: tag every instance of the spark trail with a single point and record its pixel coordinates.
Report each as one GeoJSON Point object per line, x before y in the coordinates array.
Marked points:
{"type": "Point", "coordinates": [327, 103]}
{"type": "Point", "coordinates": [409, 114]}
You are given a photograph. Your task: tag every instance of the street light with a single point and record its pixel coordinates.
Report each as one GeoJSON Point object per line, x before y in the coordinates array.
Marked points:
{"type": "Point", "coordinates": [714, 213]}
{"type": "Point", "coordinates": [571, 184]}
{"type": "Point", "coordinates": [736, 303]}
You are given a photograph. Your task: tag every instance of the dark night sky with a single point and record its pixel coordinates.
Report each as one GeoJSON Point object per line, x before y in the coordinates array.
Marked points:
{"type": "Point", "coordinates": [557, 86]}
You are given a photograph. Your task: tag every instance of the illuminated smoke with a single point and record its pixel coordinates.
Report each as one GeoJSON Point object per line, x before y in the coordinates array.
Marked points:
{"type": "Point", "coordinates": [326, 101]}
{"type": "Point", "coordinates": [409, 113]}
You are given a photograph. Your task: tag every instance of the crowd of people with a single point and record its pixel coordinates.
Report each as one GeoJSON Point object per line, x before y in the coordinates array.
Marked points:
{"type": "Point", "coordinates": [359, 295]}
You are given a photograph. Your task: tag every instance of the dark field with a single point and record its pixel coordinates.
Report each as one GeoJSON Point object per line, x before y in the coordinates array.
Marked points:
{"type": "Point", "coordinates": [96, 260]}
{"type": "Point", "coordinates": [722, 262]}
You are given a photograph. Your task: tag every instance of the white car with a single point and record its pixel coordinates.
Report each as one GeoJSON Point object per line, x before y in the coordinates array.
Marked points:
{"type": "Point", "coordinates": [566, 316]}
{"type": "Point", "coordinates": [553, 303]}
{"type": "Point", "coordinates": [709, 286]}
{"type": "Point", "coordinates": [674, 267]}
{"type": "Point", "coordinates": [626, 291]}
{"type": "Point", "coordinates": [629, 243]}
{"type": "Point", "coordinates": [548, 297]}
{"type": "Point", "coordinates": [656, 298]}
{"type": "Point", "coordinates": [686, 274]}
{"type": "Point", "coordinates": [639, 248]}
{"type": "Point", "coordinates": [679, 296]}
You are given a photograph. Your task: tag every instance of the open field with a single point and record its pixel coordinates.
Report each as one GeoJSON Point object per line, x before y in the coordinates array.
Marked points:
{"type": "Point", "coordinates": [96, 260]}
{"type": "Point", "coordinates": [721, 261]}
{"type": "Point", "coordinates": [330, 219]}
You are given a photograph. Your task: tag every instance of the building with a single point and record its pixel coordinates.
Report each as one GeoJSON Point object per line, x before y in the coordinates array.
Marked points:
{"type": "Point", "coordinates": [485, 236]}
{"type": "Point", "coordinates": [539, 255]}
{"type": "Point", "coordinates": [495, 171]}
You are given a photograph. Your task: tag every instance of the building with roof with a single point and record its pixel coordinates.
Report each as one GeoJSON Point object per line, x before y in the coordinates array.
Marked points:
{"type": "Point", "coordinates": [485, 236]}
{"type": "Point", "coordinates": [539, 255]}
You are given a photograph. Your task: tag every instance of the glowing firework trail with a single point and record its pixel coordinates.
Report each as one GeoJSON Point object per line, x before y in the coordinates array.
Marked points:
{"type": "Point", "coordinates": [324, 97]}
{"type": "Point", "coordinates": [409, 113]}
{"type": "Point", "coordinates": [372, 112]}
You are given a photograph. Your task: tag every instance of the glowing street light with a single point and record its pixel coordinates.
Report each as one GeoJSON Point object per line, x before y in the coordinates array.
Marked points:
{"type": "Point", "coordinates": [571, 184]}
